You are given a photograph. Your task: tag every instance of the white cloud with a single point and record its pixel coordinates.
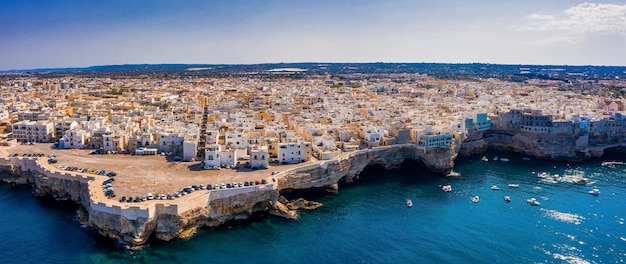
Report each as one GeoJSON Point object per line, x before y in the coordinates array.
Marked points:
{"type": "Point", "coordinates": [583, 18]}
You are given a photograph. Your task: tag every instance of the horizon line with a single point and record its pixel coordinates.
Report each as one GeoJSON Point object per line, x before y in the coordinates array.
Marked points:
{"type": "Point", "coordinates": [302, 62]}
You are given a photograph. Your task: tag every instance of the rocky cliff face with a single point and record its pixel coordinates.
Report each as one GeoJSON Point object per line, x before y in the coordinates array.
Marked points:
{"type": "Point", "coordinates": [183, 225]}
{"type": "Point", "coordinates": [217, 212]}
{"type": "Point", "coordinates": [348, 168]}
{"type": "Point", "coordinates": [13, 173]}
{"type": "Point", "coordinates": [542, 146]}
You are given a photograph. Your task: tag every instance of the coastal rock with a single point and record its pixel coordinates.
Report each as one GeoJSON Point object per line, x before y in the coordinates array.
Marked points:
{"type": "Point", "coordinates": [301, 203]}
{"type": "Point", "coordinates": [281, 210]}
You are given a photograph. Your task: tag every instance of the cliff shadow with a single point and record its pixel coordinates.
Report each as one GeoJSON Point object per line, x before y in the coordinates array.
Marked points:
{"type": "Point", "coordinates": [409, 172]}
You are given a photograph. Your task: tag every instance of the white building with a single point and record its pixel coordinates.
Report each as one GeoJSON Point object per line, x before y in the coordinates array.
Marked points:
{"type": "Point", "coordinates": [212, 155]}
{"type": "Point", "coordinates": [31, 131]}
{"type": "Point", "coordinates": [75, 138]}
{"type": "Point", "coordinates": [212, 136]}
{"type": "Point", "coordinates": [4, 114]}
{"type": "Point", "coordinates": [189, 150]}
{"type": "Point", "coordinates": [373, 136]}
{"type": "Point", "coordinates": [259, 157]}
{"type": "Point", "coordinates": [434, 141]}
{"type": "Point", "coordinates": [294, 152]}
{"type": "Point", "coordinates": [215, 156]}
{"type": "Point", "coordinates": [171, 142]}
{"type": "Point", "coordinates": [234, 139]}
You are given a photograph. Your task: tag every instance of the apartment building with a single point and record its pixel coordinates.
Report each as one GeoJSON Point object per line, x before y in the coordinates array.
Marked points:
{"type": "Point", "coordinates": [33, 131]}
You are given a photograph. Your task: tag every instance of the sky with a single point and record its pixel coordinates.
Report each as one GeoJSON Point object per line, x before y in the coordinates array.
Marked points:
{"type": "Point", "coordinates": [64, 33]}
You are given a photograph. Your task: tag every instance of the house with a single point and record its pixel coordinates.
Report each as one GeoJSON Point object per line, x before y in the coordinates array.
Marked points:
{"type": "Point", "coordinates": [259, 157]}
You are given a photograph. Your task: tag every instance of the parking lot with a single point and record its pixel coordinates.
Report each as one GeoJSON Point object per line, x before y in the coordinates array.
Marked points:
{"type": "Point", "coordinates": [139, 175]}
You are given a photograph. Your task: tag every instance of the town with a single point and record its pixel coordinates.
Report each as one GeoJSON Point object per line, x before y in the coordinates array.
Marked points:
{"type": "Point", "coordinates": [120, 145]}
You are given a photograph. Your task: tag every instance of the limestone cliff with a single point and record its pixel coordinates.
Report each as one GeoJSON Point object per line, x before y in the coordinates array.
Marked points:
{"type": "Point", "coordinates": [347, 168]}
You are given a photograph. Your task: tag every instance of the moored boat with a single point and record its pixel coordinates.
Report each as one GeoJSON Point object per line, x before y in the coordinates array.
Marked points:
{"type": "Point", "coordinates": [495, 187]}
{"type": "Point", "coordinates": [485, 159]}
{"type": "Point", "coordinates": [532, 201]}
{"type": "Point", "coordinates": [513, 185]}
{"type": "Point", "coordinates": [507, 198]}
{"type": "Point", "coordinates": [504, 159]}
{"type": "Point", "coordinates": [475, 199]}
{"type": "Point", "coordinates": [595, 192]}
{"type": "Point", "coordinates": [409, 203]}
{"type": "Point", "coordinates": [447, 188]}
{"type": "Point", "coordinates": [581, 181]}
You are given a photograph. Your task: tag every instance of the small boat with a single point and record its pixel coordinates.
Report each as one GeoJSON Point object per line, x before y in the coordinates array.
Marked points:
{"type": "Point", "coordinates": [507, 198]}
{"type": "Point", "coordinates": [475, 199]}
{"type": "Point", "coordinates": [495, 158]}
{"type": "Point", "coordinates": [512, 185]}
{"type": "Point", "coordinates": [581, 181]}
{"type": "Point", "coordinates": [504, 159]}
{"type": "Point", "coordinates": [612, 163]}
{"type": "Point", "coordinates": [409, 203]}
{"type": "Point", "coordinates": [543, 175]}
{"type": "Point", "coordinates": [595, 192]}
{"type": "Point", "coordinates": [532, 201]}
{"type": "Point", "coordinates": [526, 158]}
{"type": "Point", "coordinates": [495, 188]}
{"type": "Point", "coordinates": [447, 188]}
{"type": "Point", "coordinates": [485, 159]}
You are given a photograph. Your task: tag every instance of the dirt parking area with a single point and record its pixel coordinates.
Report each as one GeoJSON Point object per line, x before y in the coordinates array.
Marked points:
{"type": "Point", "coordinates": [138, 175]}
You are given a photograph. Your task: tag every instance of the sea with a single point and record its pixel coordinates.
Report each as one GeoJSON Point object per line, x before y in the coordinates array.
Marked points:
{"type": "Point", "coordinates": [369, 221]}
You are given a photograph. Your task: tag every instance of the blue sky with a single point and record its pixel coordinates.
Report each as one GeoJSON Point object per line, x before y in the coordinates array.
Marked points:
{"type": "Point", "coordinates": [40, 34]}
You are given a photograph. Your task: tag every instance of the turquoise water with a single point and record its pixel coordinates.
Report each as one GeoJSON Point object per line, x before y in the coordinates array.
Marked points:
{"type": "Point", "coordinates": [369, 222]}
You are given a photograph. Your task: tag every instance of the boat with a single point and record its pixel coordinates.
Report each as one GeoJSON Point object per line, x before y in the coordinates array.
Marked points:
{"type": "Point", "coordinates": [543, 175]}
{"type": "Point", "coordinates": [485, 159]}
{"type": "Point", "coordinates": [495, 158]}
{"type": "Point", "coordinates": [595, 192]}
{"type": "Point", "coordinates": [504, 159]}
{"type": "Point", "coordinates": [580, 181]}
{"type": "Point", "coordinates": [526, 158]}
{"type": "Point", "coordinates": [532, 201]}
{"type": "Point", "coordinates": [495, 188]}
{"type": "Point", "coordinates": [447, 188]}
{"type": "Point", "coordinates": [475, 199]}
{"type": "Point", "coordinates": [512, 185]}
{"type": "Point", "coordinates": [612, 163]}
{"type": "Point", "coordinates": [507, 198]}
{"type": "Point", "coordinates": [409, 203]}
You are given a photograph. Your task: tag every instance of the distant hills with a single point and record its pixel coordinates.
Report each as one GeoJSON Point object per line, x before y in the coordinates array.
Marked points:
{"type": "Point", "coordinates": [445, 70]}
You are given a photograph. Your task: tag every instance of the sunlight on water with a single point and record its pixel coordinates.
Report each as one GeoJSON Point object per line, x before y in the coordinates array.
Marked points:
{"type": "Point", "coordinates": [563, 217]}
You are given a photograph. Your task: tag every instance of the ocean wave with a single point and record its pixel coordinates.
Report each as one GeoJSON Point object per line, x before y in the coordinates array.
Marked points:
{"type": "Point", "coordinates": [563, 217]}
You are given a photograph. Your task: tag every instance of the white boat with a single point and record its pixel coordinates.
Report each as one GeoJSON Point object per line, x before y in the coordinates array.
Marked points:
{"type": "Point", "coordinates": [504, 159]}
{"type": "Point", "coordinates": [543, 175]}
{"type": "Point", "coordinates": [475, 199]}
{"type": "Point", "coordinates": [495, 188]}
{"type": "Point", "coordinates": [409, 203]}
{"type": "Point", "coordinates": [485, 159]}
{"type": "Point", "coordinates": [447, 188]}
{"type": "Point", "coordinates": [612, 163]}
{"type": "Point", "coordinates": [512, 185]}
{"type": "Point", "coordinates": [532, 201]}
{"type": "Point", "coordinates": [595, 192]}
{"type": "Point", "coordinates": [507, 198]}
{"type": "Point", "coordinates": [495, 158]}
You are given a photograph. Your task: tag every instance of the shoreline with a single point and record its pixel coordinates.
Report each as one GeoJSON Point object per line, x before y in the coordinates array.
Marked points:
{"type": "Point", "coordinates": [136, 223]}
